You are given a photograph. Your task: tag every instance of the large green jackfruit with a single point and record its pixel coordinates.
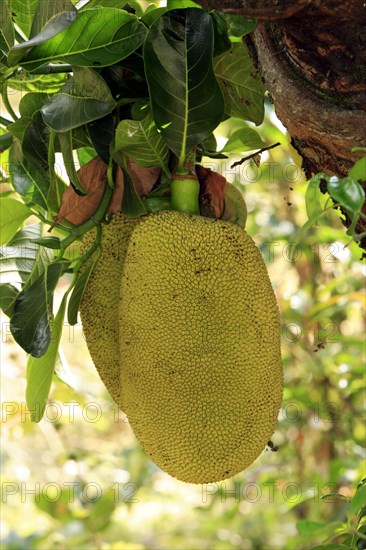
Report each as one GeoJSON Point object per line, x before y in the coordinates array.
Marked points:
{"type": "Point", "coordinates": [200, 346]}
{"type": "Point", "coordinates": [99, 307]}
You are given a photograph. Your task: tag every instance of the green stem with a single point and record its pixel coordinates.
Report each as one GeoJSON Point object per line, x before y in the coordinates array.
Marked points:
{"type": "Point", "coordinates": [185, 193]}
{"type": "Point", "coordinates": [6, 101]}
{"type": "Point", "coordinates": [4, 121]}
{"type": "Point", "coordinates": [51, 166]}
{"type": "Point", "coordinates": [91, 250]}
{"type": "Point", "coordinates": [77, 232]}
{"type": "Point", "coordinates": [53, 69]}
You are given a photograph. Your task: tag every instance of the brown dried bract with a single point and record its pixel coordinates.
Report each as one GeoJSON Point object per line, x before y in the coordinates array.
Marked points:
{"type": "Point", "coordinates": [143, 177]}
{"type": "Point", "coordinates": [77, 208]}
{"type": "Point", "coordinates": [212, 192]}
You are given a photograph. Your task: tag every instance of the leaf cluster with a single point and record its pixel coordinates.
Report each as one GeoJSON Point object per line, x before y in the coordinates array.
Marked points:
{"type": "Point", "coordinates": [116, 83]}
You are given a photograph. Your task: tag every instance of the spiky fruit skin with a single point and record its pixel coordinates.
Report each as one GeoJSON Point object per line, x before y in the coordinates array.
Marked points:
{"type": "Point", "coordinates": [99, 307]}
{"type": "Point", "coordinates": [200, 346]}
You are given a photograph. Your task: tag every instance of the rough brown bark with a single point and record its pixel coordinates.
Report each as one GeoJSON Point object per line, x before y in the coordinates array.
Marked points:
{"type": "Point", "coordinates": [312, 57]}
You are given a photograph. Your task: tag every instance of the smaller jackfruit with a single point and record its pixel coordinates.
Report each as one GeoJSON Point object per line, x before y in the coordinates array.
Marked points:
{"type": "Point", "coordinates": [99, 306]}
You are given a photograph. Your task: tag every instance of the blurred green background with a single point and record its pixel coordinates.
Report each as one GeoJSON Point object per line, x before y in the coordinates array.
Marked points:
{"type": "Point", "coordinates": [79, 479]}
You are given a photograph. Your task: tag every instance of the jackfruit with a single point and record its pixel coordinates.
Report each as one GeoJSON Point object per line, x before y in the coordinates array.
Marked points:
{"type": "Point", "coordinates": [99, 306]}
{"type": "Point", "coordinates": [200, 346]}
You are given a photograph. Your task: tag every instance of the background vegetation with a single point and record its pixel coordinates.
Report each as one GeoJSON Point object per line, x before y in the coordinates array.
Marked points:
{"type": "Point", "coordinates": [78, 479]}
{"type": "Point", "coordinates": [94, 486]}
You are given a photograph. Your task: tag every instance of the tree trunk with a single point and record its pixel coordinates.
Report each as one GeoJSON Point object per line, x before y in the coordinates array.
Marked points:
{"type": "Point", "coordinates": [312, 57]}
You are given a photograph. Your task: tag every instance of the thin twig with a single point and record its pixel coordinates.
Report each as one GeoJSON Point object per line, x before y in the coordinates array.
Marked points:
{"type": "Point", "coordinates": [254, 154]}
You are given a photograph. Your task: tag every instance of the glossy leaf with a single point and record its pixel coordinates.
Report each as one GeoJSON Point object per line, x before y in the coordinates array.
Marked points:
{"type": "Point", "coordinates": [25, 82]}
{"type": "Point", "coordinates": [23, 12]}
{"type": "Point", "coordinates": [312, 196]}
{"type": "Point", "coordinates": [222, 41]}
{"type": "Point", "coordinates": [35, 143]}
{"type": "Point", "coordinates": [49, 242]}
{"type": "Point", "coordinates": [48, 10]}
{"type": "Point", "coordinates": [112, 4]}
{"type": "Point", "coordinates": [8, 294]}
{"type": "Point", "coordinates": [97, 37]}
{"type": "Point", "coordinates": [358, 501]}
{"type": "Point", "coordinates": [150, 16]}
{"type": "Point", "coordinates": [85, 155]}
{"type": "Point", "coordinates": [241, 84]}
{"type": "Point", "coordinates": [6, 27]}
{"type": "Point", "coordinates": [18, 257]}
{"type": "Point", "coordinates": [347, 192]}
{"type": "Point", "coordinates": [52, 29]}
{"type": "Point", "coordinates": [31, 103]}
{"type": "Point", "coordinates": [132, 205]}
{"type": "Point", "coordinates": [40, 369]}
{"type": "Point", "coordinates": [78, 291]}
{"type": "Point", "coordinates": [358, 170]}
{"type": "Point", "coordinates": [186, 100]}
{"type": "Point", "coordinates": [30, 324]}
{"type": "Point", "coordinates": [31, 182]}
{"type": "Point", "coordinates": [85, 97]}
{"type": "Point", "coordinates": [244, 139]}
{"type": "Point", "coordinates": [178, 4]}
{"type": "Point", "coordinates": [102, 134]}
{"type": "Point", "coordinates": [239, 26]}
{"type": "Point", "coordinates": [140, 140]}
{"type": "Point", "coordinates": [12, 215]}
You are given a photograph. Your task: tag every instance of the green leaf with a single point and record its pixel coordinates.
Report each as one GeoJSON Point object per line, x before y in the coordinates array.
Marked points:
{"type": "Point", "coordinates": [347, 192]}
{"type": "Point", "coordinates": [65, 139]}
{"type": "Point", "coordinates": [85, 97]}
{"type": "Point", "coordinates": [150, 16]}
{"type": "Point", "coordinates": [358, 501]}
{"type": "Point", "coordinates": [358, 170]}
{"type": "Point", "coordinates": [8, 294]}
{"type": "Point", "coordinates": [312, 196]}
{"type": "Point", "coordinates": [178, 4]}
{"type": "Point", "coordinates": [53, 29]}
{"type": "Point", "coordinates": [31, 103]}
{"type": "Point", "coordinates": [97, 37]}
{"type": "Point", "coordinates": [78, 291]}
{"type": "Point", "coordinates": [102, 135]}
{"type": "Point", "coordinates": [244, 139]}
{"type": "Point", "coordinates": [35, 143]}
{"type": "Point", "coordinates": [6, 141]}
{"type": "Point", "coordinates": [26, 82]}
{"type": "Point", "coordinates": [85, 155]}
{"type": "Point", "coordinates": [140, 140]}
{"type": "Point", "coordinates": [101, 513]}
{"type": "Point", "coordinates": [23, 12]}
{"type": "Point", "coordinates": [186, 101]}
{"type": "Point", "coordinates": [306, 526]}
{"type": "Point", "coordinates": [48, 10]}
{"type": "Point", "coordinates": [12, 215]}
{"type": "Point", "coordinates": [131, 203]}
{"type": "Point", "coordinates": [29, 181]}
{"type": "Point", "coordinates": [241, 84]}
{"type": "Point", "coordinates": [49, 242]}
{"type": "Point", "coordinates": [112, 4]}
{"type": "Point", "coordinates": [30, 324]}
{"type": "Point", "coordinates": [18, 258]}
{"type": "Point", "coordinates": [6, 28]}
{"type": "Point", "coordinates": [40, 369]}
{"type": "Point", "coordinates": [222, 41]}
{"type": "Point", "coordinates": [238, 25]}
